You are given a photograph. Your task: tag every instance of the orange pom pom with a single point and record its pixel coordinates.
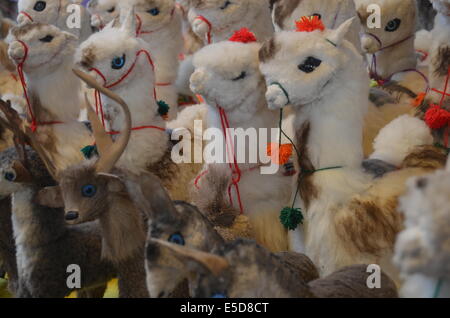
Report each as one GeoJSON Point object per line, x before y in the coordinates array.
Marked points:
{"type": "Point", "coordinates": [419, 99]}
{"type": "Point", "coordinates": [279, 155]}
{"type": "Point", "coordinates": [310, 24]}
{"type": "Point", "coordinates": [244, 36]}
{"type": "Point", "coordinates": [436, 117]}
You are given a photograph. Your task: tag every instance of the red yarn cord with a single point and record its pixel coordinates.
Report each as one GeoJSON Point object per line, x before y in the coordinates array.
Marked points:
{"type": "Point", "coordinates": [27, 15]}
{"type": "Point", "coordinates": [208, 34]}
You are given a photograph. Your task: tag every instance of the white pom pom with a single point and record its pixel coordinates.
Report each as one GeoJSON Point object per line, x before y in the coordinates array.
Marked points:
{"type": "Point", "coordinates": [276, 97]}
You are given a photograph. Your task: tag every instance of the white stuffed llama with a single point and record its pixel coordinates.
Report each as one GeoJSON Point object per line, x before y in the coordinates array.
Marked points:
{"type": "Point", "coordinates": [44, 56]}
{"type": "Point", "coordinates": [227, 76]}
{"type": "Point", "coordinates": [390, 47]}
{"type": "Point", "coordinates": [422, 250]}
{"type": "Point", "coordinates": [349, 218]}
{"type": "Point", "coordinates": [64, 14]}
{"type": "Point", "coordinates": [102, 12]}
{"type": "Point", "coordinates": [332, 13]}
{"type": "Point", "coordinates": [217, 20]}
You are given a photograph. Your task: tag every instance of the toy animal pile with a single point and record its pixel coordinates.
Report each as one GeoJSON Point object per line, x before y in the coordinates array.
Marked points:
{"type": "Point", "coordinates": [124, 139]}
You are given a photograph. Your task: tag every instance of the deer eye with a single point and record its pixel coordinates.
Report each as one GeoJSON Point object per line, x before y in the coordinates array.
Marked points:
{"type": "Point", "coordinates": [241, 76]}
{"type": "Point", "coordinates": [47, 39]}
{"type": "Point", "coordinates": [154, 11]}
{"type": "Point", "coordinates": [393, 25]}
{"type": "Point", "coordinates": [40, 6]}
{"type": "Point", "coordinates": [10, 176]}
{"type": "Point", "coordinates": [88, 191]}
{"type": "Point", "coordinates": [112, 10]}
{"type": "Point", "coordinates": [225, 5]}
{"type": "Point", "coordinates": [310, 65]}
{"type": "Point", "coordinates": [118, 62]}
{"type": "Point", "coordinates": [176, 238]}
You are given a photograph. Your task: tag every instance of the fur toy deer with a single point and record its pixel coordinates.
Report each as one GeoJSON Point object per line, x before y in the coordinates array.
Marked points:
{"type": "Point", "coordinates": [60, 13]}
{"type": "Point", "coordinates": [333, 13]}
{"type": "Point", "coordinates": [217, 20]}
{"type": "Point", "coordinates": [227, 76]}
{"type": "Point", "coordinates": [349, 218]}
{"type": "Point", "coordinates": [393, 41]}
{"type": "Point", "coordinates": [244, 269]}
{"type": "Point", "coordinates": [102, 12]}
{"type": "Point", "coordinates": [44, 58]}
{"type": "Point", "coordinates": [421, 250]}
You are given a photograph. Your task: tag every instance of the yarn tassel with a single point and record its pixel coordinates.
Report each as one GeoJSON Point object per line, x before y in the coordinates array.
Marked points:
{"type": "Point", "coordinates": [89, 151]}
{"type": "Point", "coordinates": [291, 218]}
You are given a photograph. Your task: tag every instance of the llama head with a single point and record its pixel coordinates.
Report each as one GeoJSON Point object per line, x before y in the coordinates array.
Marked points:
{"type": "Point", "coordinates": [227, 73]}
{"type": "Point", "coordinates": [302, 67]}
{"type": "Point", "coordinates": [39, 46]}
{"type": "Point", "coordinates": [224, 16]}
{"type": "Point", "coordinates": [442, 6]}
{"type": "Point", "coordinates": [153, 14]}
{"type": "Point", "coordinates": [423, 247]}
{"type": "Point", "coordinates": [439, 67]}
{"type": "Point", "coordinates": [102, 12]}
{"type": "Point", "coordinates": [43, 11]}
{"type": "Point", "coordinates": [398, 22]}
{"type": "Point", "coordinates": [111, 54]}
{"type": "Point", "coordinates": [185, 226]}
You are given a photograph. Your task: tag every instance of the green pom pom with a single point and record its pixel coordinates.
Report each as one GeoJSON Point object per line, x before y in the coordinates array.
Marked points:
{"type": "Point", "coordinates": [291, 218]}
{"type": "Point", "coordinates": [163, 108]}
{"type": "Point", "coordinates": [89, 151]}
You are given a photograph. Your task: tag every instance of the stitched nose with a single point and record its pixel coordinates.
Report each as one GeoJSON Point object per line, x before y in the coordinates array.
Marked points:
{"type": "Point", "coordinates": [71, 215]}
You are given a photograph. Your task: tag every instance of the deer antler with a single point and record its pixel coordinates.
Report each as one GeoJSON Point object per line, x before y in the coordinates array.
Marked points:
{"type": "Point", "coordinates": [109, 153]}
{"type": "Point", "coordinates": [24, 135]}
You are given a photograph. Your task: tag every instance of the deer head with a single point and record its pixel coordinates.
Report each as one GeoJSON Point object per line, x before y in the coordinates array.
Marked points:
{"type": "Point", "coordinates": [102, 12]}
{"type": "Point", "coordinates": [86, 188]}
{"type": "Point", "coordinates": [43, 11]}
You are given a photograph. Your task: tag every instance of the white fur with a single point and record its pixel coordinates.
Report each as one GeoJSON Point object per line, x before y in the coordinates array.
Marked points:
{"type": "Point", "coordinates": [103, 11]}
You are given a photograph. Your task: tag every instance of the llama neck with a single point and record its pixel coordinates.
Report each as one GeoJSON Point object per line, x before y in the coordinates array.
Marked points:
{"type": "Point", "coordinates": [395, 59]}
{"type": "Point", "coordinates": [58, 90]}
{"type": "Point", "coordinates": [122, 229]}
{"type": "Point", "coordinates": [34, 225]}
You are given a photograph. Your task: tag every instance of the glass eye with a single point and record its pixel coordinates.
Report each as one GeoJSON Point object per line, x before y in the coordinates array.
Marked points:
{"type": "Point", "coordinates": [47, 39]}
{"type": "Point", "coordinates": [393, 25]}
{"type": "Point", "coordinates": [88, 191]}
{"type": "Point", "coordinates": [176, 238]}
{"type": "Point", "coordinates": [118, 62]}
{"type": "Point", "coordinates": [10, 176]}
{"type": "Point", "coordinates": [241, 76]}
{"type": "Point", "coordinates": [317, 15]}
{"type": "Point", "coordinates": [112, 10]}
{"type": "Point", "coordinates": [310, 65]}
{"type": "Point", "coordinates": [225, 5]}
{"type": "Point", "coordinates": [154, 11]}
{"type": "Point", "coordinates": [40, 6]}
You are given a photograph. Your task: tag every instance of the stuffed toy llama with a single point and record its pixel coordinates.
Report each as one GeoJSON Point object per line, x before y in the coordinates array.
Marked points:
{"type": "Point", "coordinates": [44, 58]}
{"type": "Point", "coordinates": [216, 20]}
{"type": "Point", "coordinates": [442, 19]}
{"type": "Point", "coordinates": [422, 248]}
{"type": "Point", "coordinates": [349, 218]}
{"type": "Point", "coordinates": [102, 12]}
{"type": "Point", "coordinates": [393, 41]}
{"type": "Point", "coordinates": [332, 14]}
{"type": "Point", "coordinates": [123, 63]}
{"type": "Point", "coordinates": [61, 13]}
{"type": "Point", "coordinates": [228, 78]}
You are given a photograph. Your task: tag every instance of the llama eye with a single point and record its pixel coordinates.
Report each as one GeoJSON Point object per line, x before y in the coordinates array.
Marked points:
{"type": "Point", "coordinates": [241, 76]}
{"type": "Point", "coordinates": [47, 39]}
{"type": "Point", "coordinates": [154, 11]}
{"type": "Point", "coordinates": [317, 15]}
{"type": "Point", "coordinates": [310, 65]}
{"type": "Point", "coordinates": [393, 25]}
{"type": "Point", "coordinates": [176, 238]}
{"type": "Point", "coordinates": [112, 10]}
{"type": "Point", "coordinates": [40, 6]}
{"type": "Point", "coordinates": [10, 176]}
{"type": "Point", "coordinates": [88, 191]}
{"type": "Point", "coordinates": [118, 62]}
{"type": "Point", "coordinates": [225, 5]}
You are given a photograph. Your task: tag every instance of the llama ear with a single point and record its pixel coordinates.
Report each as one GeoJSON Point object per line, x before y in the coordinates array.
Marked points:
{"type": "Point", "coordinates": [337, 36]}
{"type": "Point", "coordinates": [50, 197]}
{"type": "Point", "coordinates": [196, 259]}
{"type": "Point", "coordinates": [129, 24]}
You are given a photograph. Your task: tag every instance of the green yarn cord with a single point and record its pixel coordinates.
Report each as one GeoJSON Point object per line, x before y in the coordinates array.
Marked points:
{"type": "Point", "coordinates": [163, 108]}
{"type": "Point", "coordinates": [438, 288]}
{"type": "Point", "coordinates": [89, 151]}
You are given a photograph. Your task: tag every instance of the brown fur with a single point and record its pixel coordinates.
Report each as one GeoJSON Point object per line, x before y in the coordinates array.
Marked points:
{"type": "Point", "coordinates": [268, 50]}
{"type": "Point", "coordinates": [165, 169]}
{"type": "Point", "coordinates": [283, 9]}
{"type": "Point", "coordinates": [426, 157]}
{"type": "Point", "coordinates": [4, 59]}
{"type": "Point", "coordinates": [18, 32]}
{"type": "Point", "coordinates": [441, 62]}
{"type": "Point", "coordinates": [88, 57]}
{"type": "Point", "coordinates": [301, 264]}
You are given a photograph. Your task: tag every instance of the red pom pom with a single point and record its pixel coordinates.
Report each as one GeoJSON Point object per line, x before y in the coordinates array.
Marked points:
{"type": "Point", "coordinates": [310, 24]}
{"type": "Point", "coordinates": [244, 36]}
{"type": "Point", "coordinates": [436, 117]}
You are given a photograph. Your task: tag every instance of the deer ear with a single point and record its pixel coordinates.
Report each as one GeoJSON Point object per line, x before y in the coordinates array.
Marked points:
{"type": "Point", "coordinates": [22, 173]}
{"type": "Point", "coordinates": [129, 23]}
{"type": "Point", "coordinates": [50, 197]}
{"type": "Point", "coordinates": [115, 184]}
{"type": "Point", "coordinates": [196, 259]}
{"type": "Point", "coordinates": [337, 36]}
